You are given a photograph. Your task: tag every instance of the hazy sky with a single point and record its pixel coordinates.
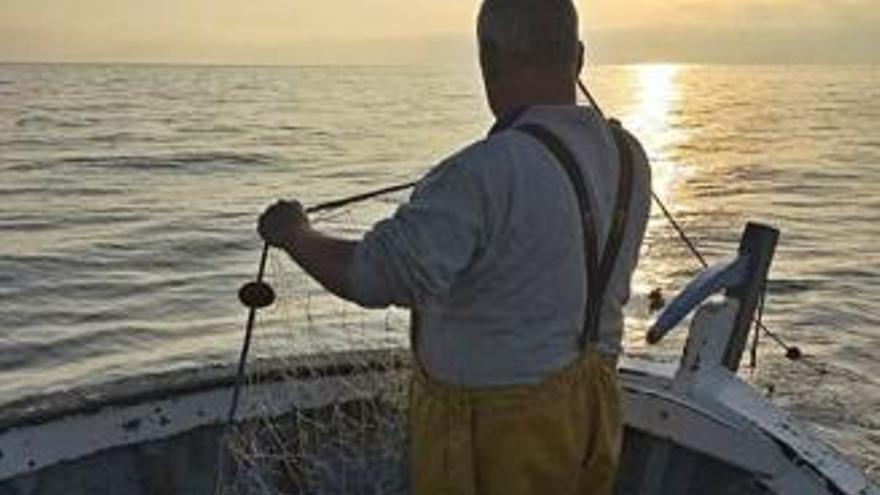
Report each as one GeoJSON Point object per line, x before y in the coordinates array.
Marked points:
{"type": "Point", "coordinates": [406, 31]}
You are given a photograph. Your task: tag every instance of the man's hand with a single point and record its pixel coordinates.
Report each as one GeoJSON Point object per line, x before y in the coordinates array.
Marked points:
{"type": "Point", "coordinates": [285, 225]}
{"type": "Point", "coordinates": [282, 223]}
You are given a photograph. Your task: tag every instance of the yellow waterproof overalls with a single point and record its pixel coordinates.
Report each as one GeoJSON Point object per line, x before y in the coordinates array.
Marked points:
{"type": "Point", "coordinates": [561, 436]}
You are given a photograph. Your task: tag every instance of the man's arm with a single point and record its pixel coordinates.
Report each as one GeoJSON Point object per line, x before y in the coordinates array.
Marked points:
{"type": "Point", "coordinates": [325, 258]}
{"type": "Point", "coordinates": [406, 259]}
{"type": "Point", "coordinates": [285, 225]}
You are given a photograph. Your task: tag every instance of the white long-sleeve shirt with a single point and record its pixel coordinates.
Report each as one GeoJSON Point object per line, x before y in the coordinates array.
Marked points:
{"type": "Point", "coordinates": [489, 251]}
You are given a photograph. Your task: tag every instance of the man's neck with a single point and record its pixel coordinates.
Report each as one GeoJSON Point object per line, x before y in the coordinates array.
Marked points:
{"type": "Point", "coordinates": [525, 91]}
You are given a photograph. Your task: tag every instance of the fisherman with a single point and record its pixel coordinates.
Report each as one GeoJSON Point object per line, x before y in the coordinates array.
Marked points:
{"type": "Point", "coordinates": [516, 272]}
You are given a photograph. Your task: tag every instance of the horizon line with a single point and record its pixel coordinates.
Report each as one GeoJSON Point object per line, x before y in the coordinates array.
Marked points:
{"type": "Point", "coordinates": [781, 63]}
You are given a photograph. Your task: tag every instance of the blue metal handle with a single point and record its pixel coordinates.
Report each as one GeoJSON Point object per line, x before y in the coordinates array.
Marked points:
{"type": "Point", "coordinates": [710, 281]}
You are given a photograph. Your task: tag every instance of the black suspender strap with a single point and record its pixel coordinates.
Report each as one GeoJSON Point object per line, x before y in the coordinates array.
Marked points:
{"type": "Point", "coordinates": [622, 203]}
{"type": "Point", "coordinates": [598, 273]}
{"type": "Point", "coordinates": [569, 164]}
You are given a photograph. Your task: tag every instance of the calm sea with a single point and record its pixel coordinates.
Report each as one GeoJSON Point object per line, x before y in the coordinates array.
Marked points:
{"type": "Point", "coordinates": [128, 196]}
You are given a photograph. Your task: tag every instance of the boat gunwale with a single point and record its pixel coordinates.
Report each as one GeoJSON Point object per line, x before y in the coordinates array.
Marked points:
{"type": "Point", "coordinates": [129, 391]}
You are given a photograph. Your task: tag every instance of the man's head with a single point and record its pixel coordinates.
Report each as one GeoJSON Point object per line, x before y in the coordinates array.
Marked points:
{"type": "Point", "coordinates": [529, 52]}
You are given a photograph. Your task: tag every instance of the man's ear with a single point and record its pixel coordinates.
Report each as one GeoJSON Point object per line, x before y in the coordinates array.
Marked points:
{"type": "Point", "coordinates": [580, 60]}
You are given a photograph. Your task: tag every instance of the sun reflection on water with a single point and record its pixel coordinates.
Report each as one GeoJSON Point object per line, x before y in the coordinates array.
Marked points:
{"type": "Point", "coordinates": [650, 118]}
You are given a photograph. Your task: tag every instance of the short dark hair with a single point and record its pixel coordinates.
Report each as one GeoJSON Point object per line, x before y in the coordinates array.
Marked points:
{"type": "Point", "coordinates": [542, 33]}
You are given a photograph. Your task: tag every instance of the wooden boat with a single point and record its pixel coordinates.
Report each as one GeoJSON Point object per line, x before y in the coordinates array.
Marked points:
{"type": "Point", "coordinates": [691, 428]}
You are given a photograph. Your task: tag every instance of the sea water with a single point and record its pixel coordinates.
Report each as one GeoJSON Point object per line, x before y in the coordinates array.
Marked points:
{"type": "Point", "coordinates": [129, 194]}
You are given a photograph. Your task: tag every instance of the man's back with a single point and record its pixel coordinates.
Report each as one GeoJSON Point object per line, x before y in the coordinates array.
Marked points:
{"type": "Point", "coordinates": [489, 251]}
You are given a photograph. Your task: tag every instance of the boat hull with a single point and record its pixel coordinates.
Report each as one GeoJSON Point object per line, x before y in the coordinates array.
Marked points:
{"type": "Point", "coordinates": [162, 435]}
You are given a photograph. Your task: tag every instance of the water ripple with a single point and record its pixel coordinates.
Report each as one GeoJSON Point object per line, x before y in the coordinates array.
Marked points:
{"type": "Point", "coordinates": [183, 161]}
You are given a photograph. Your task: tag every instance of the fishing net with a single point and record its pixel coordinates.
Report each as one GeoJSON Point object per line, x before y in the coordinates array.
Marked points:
{"type": "Point", "coordinates": [335, 420]}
